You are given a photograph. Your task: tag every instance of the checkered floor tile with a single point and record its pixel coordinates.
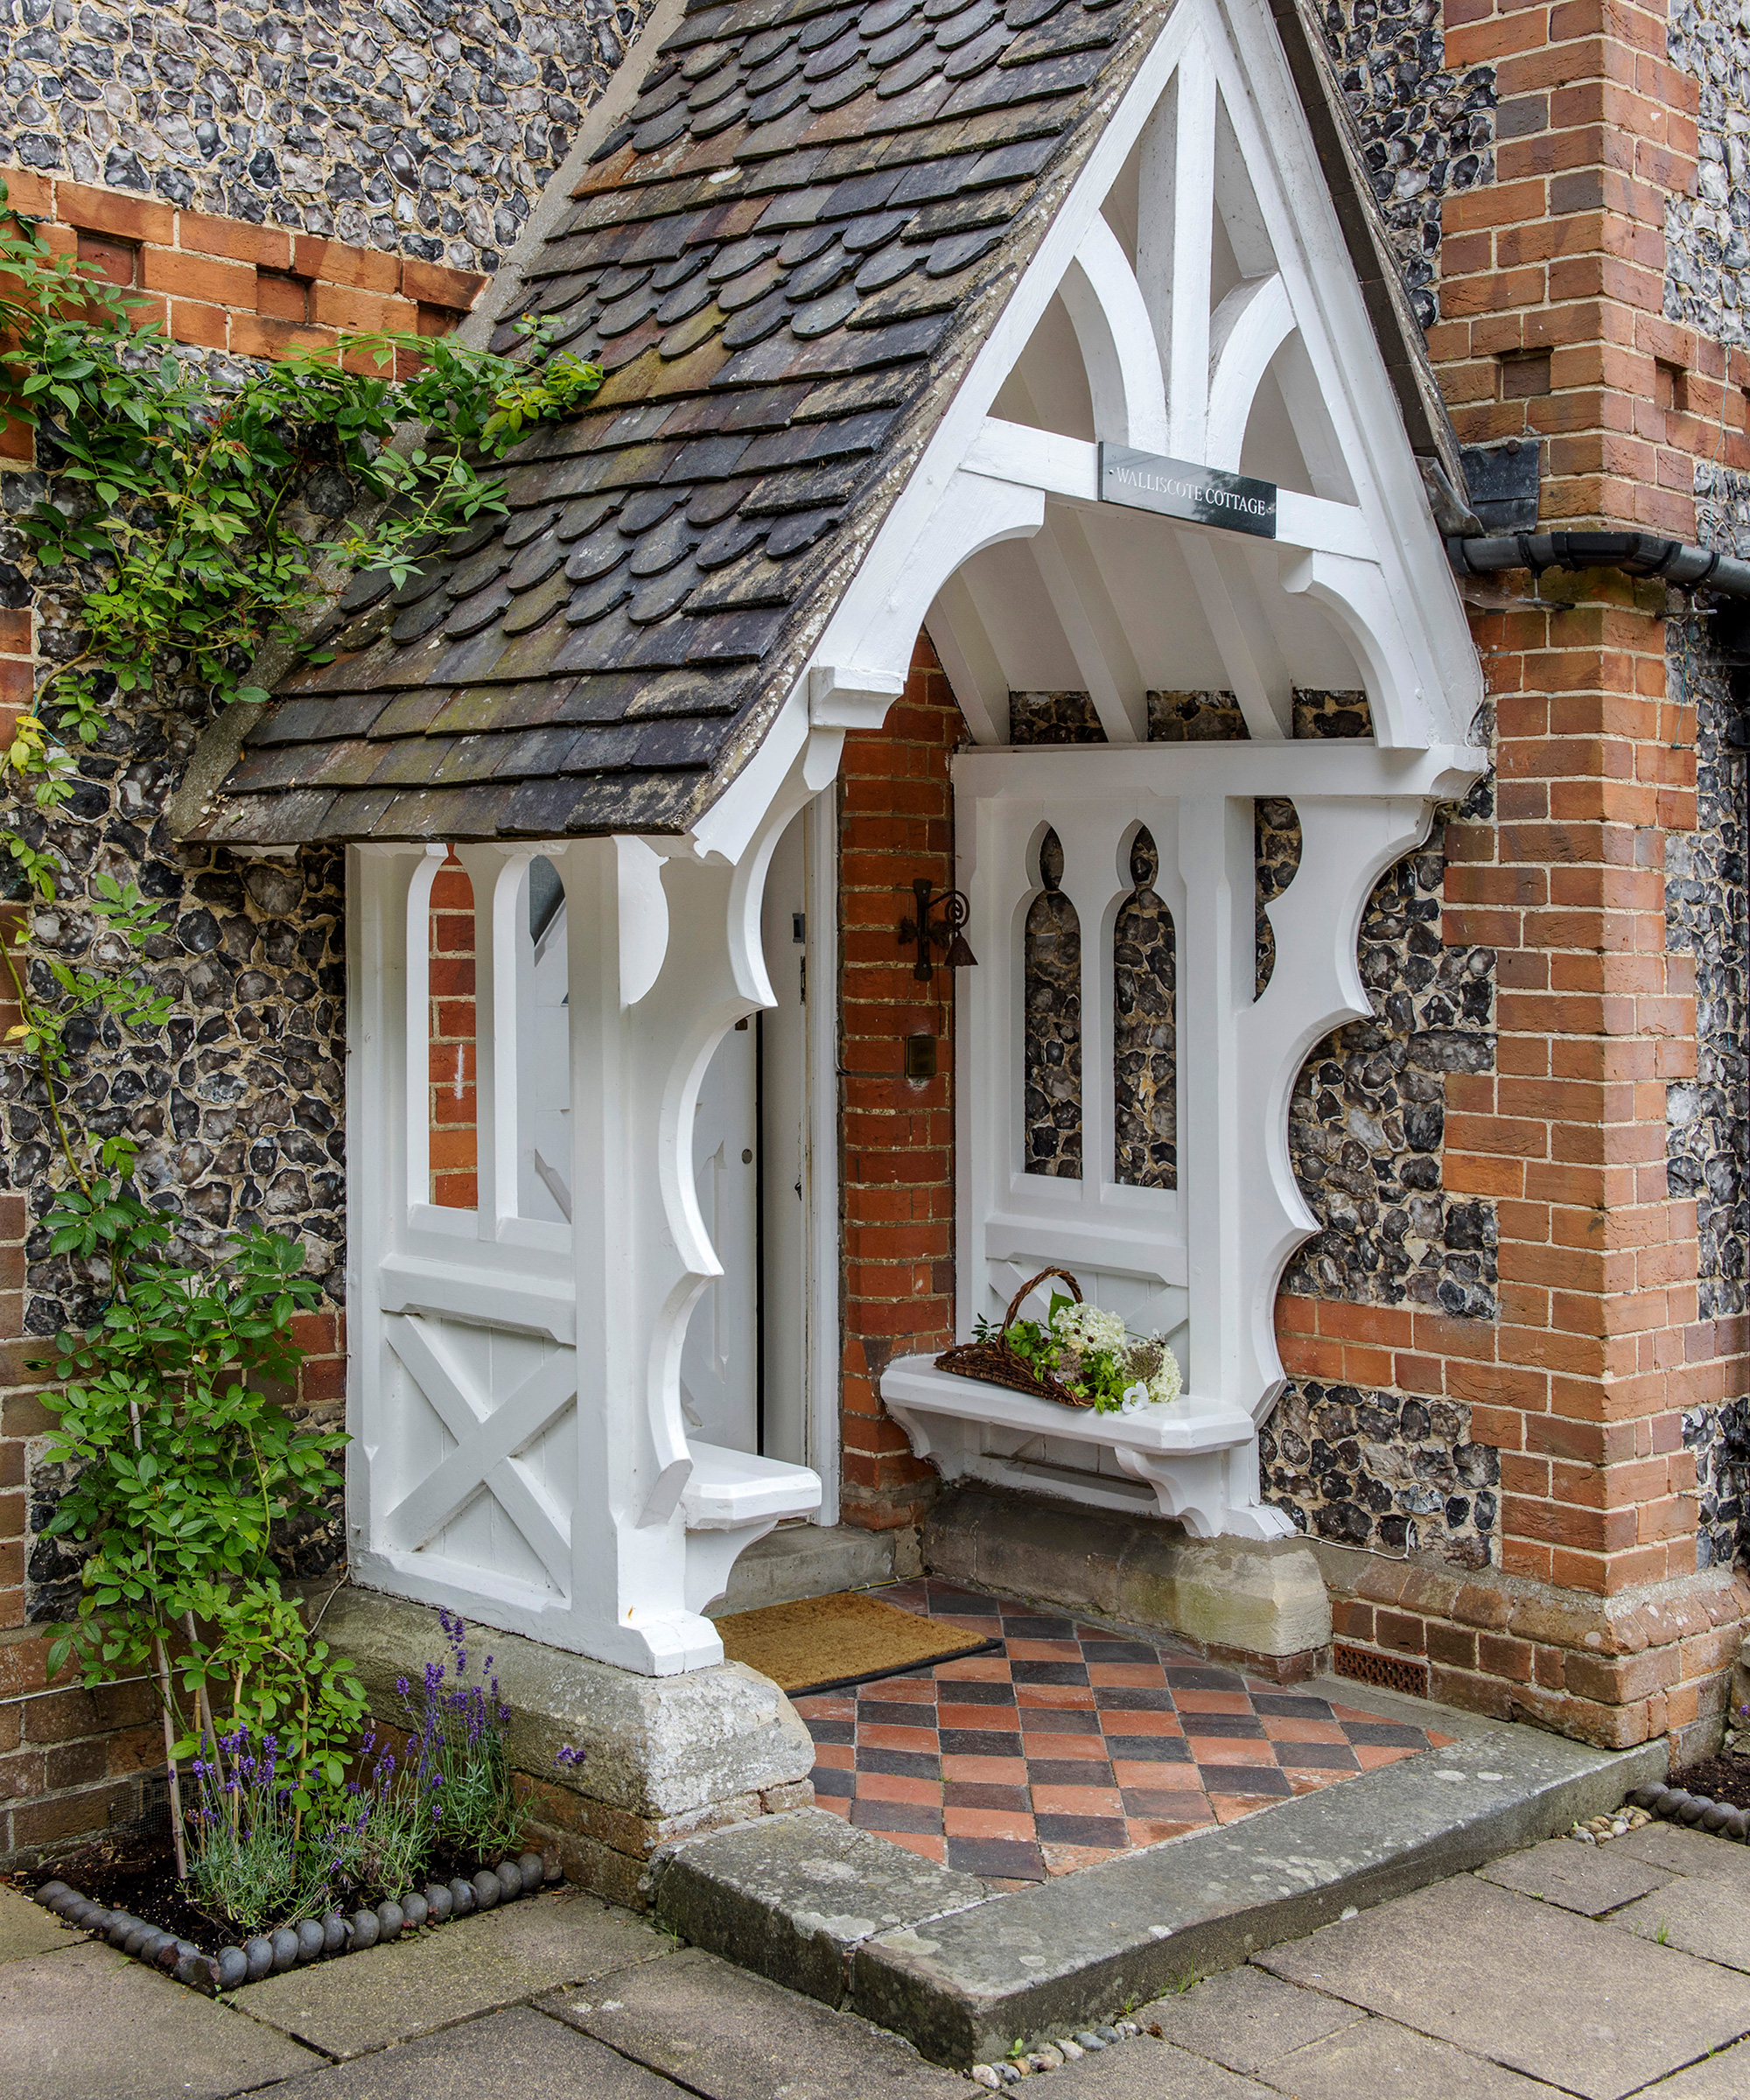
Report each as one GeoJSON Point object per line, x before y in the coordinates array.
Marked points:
{"type": "Point", "coordinates": [1072, 1744]}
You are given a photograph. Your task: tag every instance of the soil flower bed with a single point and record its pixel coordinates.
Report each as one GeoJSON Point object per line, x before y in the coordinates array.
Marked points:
{"type": "Point", "coordinates": [272, 1874]}
{"type": "Point", "coordinates": [200, 1953]}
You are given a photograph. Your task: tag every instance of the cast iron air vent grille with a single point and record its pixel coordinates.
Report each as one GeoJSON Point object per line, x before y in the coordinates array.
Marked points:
{"type": "Point", "coordinates": [1393, 1673]}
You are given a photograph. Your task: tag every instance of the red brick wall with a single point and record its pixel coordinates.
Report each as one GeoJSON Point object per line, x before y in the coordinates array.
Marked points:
{"type": "Point", "coordinates": [1582, 1382]}
{"type": "Point", "coordinates": [224, 285]}
{"type": "Point", "coordinates": [1564, 256]}
{"type": "Point", "coordinates": [74, 1762]}
{"type": "Point", "coordinates": [896, 823]}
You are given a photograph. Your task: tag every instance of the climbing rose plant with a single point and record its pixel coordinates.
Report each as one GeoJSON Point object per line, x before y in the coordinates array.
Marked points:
{"type": "Point", "coordinates": [173, 499]}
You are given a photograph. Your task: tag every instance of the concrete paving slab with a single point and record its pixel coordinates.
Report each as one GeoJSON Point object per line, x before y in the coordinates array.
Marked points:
{"type": "Point", "coordinates": [1578, 2004]}
{"type": "Point", "coordinates": [90, 2025]}
{"type": "Point", "coordinates": [27, 1929]}
{"type": "Point", "coordinates": [1146, 2070]}
{"type": "Point", "coordinates": [1724, 2076]}
{"type": "Point", "coordinates": [1245, 2019]}
{"type": "Point", "coordinates": [732, 2036]}
{"type": "Point", "coordinates": [509, 2055]}
{"type": "Point", "coordinates": [1377, 2057]}
{"type": "Point", "coordinates": [391, 1994]}
{"type": "Point", "coordinates": [1589, 1879]}
{"type": "Point", "coordinates": [1044, 1960]}
{"type": "Point", "coordinates": [1708, 1918]}
{"type": "Point", "coordinates": [1682, 1850]}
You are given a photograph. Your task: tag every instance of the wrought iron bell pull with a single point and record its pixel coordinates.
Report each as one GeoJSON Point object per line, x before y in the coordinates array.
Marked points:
{"type": "Point", "coordinates": [941, 933]}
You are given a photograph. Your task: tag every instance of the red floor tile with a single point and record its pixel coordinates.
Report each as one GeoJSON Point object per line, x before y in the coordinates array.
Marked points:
{"type": "Point", "coordinates": [928, 1848]}
{"type": "Point", "coordinates": [1372, 1754]}
{"type": "Point", "coordinates": [1287, 1728]}
{"type": "Point", "coordinates": [1009, 1771]}
{"type": "Point", "coordinates": [987, 1823]}
{"type": "Point", "coordinates": [1222, 1749]}
{"type": "Point", "coordinates": [880, 1737]}
{"type": "Point", "coordinates": [1077, 1800]}
{"type": "Point", "coordinates": [998, 1768]}
{"type": "Point", "coordinates": [1068, 1858]}
{"type": "Point", "coordinates": [1124, 1722]}
{"type": "Point", "coordinates": [889, 1786]}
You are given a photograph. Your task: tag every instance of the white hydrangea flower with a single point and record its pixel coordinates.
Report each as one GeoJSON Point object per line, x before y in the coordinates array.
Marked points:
{"type": "Point", "coordinates": [1088, 1330]}
{"type": "Point", "coordinates": [1166, 1384]}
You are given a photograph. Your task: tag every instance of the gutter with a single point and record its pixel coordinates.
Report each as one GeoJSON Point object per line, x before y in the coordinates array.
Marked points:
{"type": "Point", "coordinates": [1635, 553]}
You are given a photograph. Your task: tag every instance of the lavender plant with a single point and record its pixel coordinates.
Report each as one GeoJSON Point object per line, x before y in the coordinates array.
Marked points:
{"type": "Point", "coordinates": [380, 1845]}
{"type": "Point", "coordinates": [458, 1753]}
{"type": "Point", "coordinates": [244, 1864]}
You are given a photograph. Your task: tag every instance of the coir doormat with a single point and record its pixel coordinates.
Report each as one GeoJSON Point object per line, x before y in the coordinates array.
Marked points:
{"type": "Point", "coordinates": [823, 1643]}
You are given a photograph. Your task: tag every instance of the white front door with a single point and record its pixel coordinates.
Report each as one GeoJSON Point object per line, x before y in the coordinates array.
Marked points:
{"type": "Point", "coordinates": [783, 1134]}
{"type": "Point", "coordinates": [720, 1362]}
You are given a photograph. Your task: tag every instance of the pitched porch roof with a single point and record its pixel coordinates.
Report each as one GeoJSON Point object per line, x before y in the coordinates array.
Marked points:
{"type": "Point", "coordinates": [785, 258]}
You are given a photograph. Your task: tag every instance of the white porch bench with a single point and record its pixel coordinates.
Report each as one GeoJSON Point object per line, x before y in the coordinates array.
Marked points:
{"type": "Point", "coordinates": [1197, 1463]}
{"type": "Point", "coordinates": [732, 1498]}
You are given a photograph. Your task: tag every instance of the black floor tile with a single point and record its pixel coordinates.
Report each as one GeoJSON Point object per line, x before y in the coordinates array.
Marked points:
{"type": "Point", "coordinates": [1232, 1724]}
{"type": "Point", "coordinates": [979, 1742]}
{"type": "Point", "coordinates": [1190, 1806]}
{"type": "Point", "coordinates": [1070, 1772]}
{"type": "Point", "coordinates": [1133, 1698]}
{"type": "Point", "coordinates": [995, 1858]}
{"type": "Point", "coordinates": [1059, 1720]}
{"type": "Point", "coordinates": [1292, 1706]}
{"type": "Point", "coordinates": [882, 1715]}
{"type": "Point", "coordinates": [984, 1794]}
{"type": "Point", "coordinates": [833, 1731]}
{"type": "Point", "coordinates": [909, 1816]}
{"type": "Point", "coordinates": [1244, 1778]}
{"type": "Point", "coordinates": [1048, 1673]}
{"type": "Point", "coordinates": [1386, 1735]}
{"type": "Point", "coordinates": [1120, 1651]}
{"type": "Point", "coordinates": [1149, 1749]}
{"type": "Point", "coordinates": [901, 1764]}
{"type": "Point", "coordinates": [828, 1779]}
{"type": "Point", "coordinates": [1080, 1829]}
{"type": "Point", "coordinates": [974, 1691]}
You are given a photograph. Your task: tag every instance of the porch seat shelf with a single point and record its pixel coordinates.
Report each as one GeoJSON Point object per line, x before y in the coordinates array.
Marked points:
{"type": "Point", "coordinates": [1181, 1455]}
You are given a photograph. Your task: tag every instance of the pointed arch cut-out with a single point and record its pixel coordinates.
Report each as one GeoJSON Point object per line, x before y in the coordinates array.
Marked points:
{"type": "Point", "coordinates": [1052, 1021]}
{"type": "Point", "coordinates": [1145, 1030]}
{"type": "Point", "coordinates": [453, 1041]}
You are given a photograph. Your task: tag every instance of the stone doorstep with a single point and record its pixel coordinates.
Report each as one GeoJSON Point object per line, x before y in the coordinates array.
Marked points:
{"type": "Point", "coordinates": [847, 1917]}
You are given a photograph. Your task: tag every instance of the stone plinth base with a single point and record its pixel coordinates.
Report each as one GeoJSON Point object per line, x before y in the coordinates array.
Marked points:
{"type": "Point", "coordinates": [1261, 1603]}
{"type": "Point", "coordinates": [1610, 1670]}
{"type": "Point", "coordinates": [665, 1757]}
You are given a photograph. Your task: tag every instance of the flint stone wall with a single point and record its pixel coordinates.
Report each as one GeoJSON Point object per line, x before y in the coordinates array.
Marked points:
{"type": "Point", "coordinates": [238, 1099]}
{"type": "Point", "coordinates": [1427, 132]}
{"type": "Point", "coordinates": [425, 131]}
{"type": "Point", "coordinates": [1707, 236]}
{"type": "Point", "coordinates": [1708, 1119]}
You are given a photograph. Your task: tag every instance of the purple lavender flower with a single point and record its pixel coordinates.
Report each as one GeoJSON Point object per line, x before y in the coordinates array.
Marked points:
{"type": "Point", "coordinates": [571, 1756]}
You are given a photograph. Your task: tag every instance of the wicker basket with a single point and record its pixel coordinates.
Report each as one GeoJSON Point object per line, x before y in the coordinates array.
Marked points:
{"type": "Point", "coordinates": [996, 1363]}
